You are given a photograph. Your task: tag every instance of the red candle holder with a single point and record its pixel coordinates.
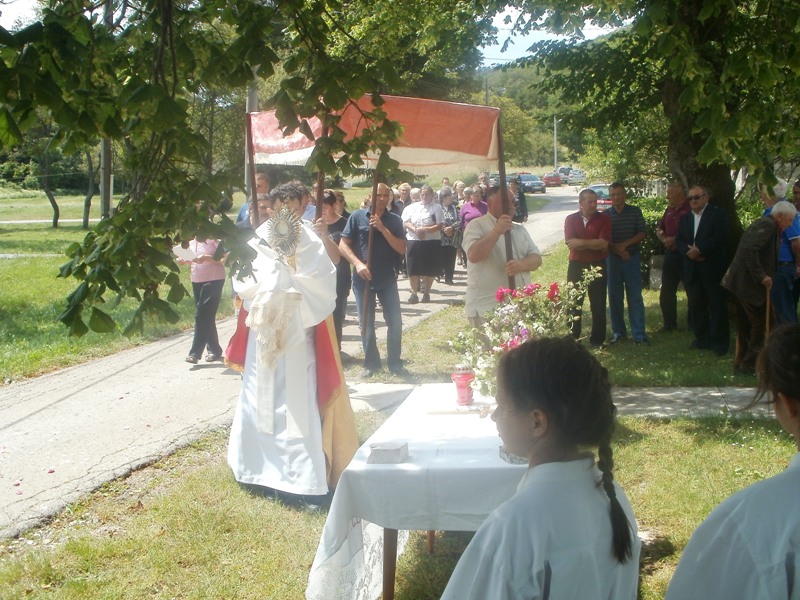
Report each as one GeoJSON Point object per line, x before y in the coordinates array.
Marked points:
{"type": "Point", "coordinates": [462, 376]}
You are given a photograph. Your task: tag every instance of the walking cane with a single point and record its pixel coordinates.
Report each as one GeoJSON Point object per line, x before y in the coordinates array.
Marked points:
{"type": "Point", "coordinates": [769, 302]}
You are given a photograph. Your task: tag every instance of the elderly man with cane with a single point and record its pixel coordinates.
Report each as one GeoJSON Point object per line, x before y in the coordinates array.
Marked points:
{"type": "Point", "coordinates": [749, 278]}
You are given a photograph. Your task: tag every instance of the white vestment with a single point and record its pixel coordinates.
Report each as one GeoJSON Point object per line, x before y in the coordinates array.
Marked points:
{"type": "Point", "coordinates": [551, 540]}
{"type": "Point", "coordinates": [748, 547]}
{"type": "Point", "coordinates": [276, 438]}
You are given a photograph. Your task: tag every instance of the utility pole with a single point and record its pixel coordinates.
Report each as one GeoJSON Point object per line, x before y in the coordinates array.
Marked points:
{"type": "Point", "coordinates": [555, 144]}
{"type": "Point", "coordinates": [105, 143]}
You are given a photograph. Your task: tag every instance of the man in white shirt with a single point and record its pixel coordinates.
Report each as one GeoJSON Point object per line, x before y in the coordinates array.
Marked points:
{"type": "Point", "coordinates": [488, 267]}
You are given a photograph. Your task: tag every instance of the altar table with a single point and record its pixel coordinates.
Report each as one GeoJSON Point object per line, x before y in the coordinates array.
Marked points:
{"type": "Point", "coordinates": [452, 479]}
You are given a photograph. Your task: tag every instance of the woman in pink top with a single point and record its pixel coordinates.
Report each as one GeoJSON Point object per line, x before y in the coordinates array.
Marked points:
{"type": "Point", "coordinates": [208, 278]}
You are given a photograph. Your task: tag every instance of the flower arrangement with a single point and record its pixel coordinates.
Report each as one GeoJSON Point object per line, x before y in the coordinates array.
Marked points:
{"type": "Point", "coordinates": [521, 314]}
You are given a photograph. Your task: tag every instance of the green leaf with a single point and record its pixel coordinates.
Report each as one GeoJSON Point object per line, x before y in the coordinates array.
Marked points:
{"type": "Point", "coordinates": [77, 328]}
{"type": "Point", "coordinates": [101, 322]}
{"type": "Point", "coordinates": [165, 311]}
{"type": "Point", "coordinates": [136, 325]}
{"type": "Point", "coordinates": [79, 294]}
{"type": "Point", "coordinates": [10, 135]}
{"type": "Point", "coordinates": [176, 294]}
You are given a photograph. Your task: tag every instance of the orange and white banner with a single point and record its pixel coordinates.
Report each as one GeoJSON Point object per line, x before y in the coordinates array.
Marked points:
{"type": "Point", "coordinates": [436, 134]}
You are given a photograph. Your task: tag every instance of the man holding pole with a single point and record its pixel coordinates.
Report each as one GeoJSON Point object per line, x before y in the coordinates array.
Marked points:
{"type": "Point", "coordinates": [374, 276]}
{"type": "Point", "coordinates": [488, 265]}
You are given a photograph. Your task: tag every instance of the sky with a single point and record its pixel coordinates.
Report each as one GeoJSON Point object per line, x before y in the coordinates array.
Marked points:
{"type": "Point", "coordinates": [492, 55]}
{"type": "Point", "coordinates": [13, 9]}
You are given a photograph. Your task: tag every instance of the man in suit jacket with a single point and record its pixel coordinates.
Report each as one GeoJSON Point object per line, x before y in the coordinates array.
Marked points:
{"type": "Point", "coordinates": [701, 240]}
{"type": "Point", "coordinates": [749, 279]}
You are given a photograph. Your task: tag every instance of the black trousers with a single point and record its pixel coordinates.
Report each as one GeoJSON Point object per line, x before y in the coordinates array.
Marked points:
{"type": "Point", "coordinates": [597, 301]}
{"type": "Point", "coordinates": [671, 277]}
{"type": "Point", "coordinates": [448, 262]}
{"type": "Point", "coordinates": [206, 302]}
{"type": "Point", "coordinates": [708, 308]}
{"type": "Point", "coordinates": [751, 327]}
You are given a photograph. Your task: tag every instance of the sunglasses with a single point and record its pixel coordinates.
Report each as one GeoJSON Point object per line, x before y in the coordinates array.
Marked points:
{"type": "Point", "coordinates": [697, 197]}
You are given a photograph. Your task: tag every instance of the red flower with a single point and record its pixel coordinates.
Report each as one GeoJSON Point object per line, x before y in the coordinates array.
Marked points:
{"type": "Point", "coordinates": [501, 294]}
{"type": "Point", "coordinates": [553, 293]}
{"type": "Point", "coordinates": [530, 289]}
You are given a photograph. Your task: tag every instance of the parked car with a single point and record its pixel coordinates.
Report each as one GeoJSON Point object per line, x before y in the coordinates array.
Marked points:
{"type": "Point", "coordinates": [531, 184]}
{"type": "Point", "coordinates": [565, 173]}
{"type": "Point", "coordinates": [601, 189]}
{"type": "Point", "coordinates": [552, 179]}
{"type": "Point", "coordinates": [576, 176]}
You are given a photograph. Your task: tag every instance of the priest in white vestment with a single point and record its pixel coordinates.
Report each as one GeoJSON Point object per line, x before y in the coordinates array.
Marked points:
{"type": "Point", "coordinates": [276, 435]}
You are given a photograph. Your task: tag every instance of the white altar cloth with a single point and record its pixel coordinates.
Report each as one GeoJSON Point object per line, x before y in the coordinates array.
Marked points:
{"type": "Point", "coordinates": [452, 479]}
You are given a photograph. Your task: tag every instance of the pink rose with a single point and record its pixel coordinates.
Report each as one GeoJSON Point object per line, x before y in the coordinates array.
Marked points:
{"type": "Point", "coordinates": [501, 294]}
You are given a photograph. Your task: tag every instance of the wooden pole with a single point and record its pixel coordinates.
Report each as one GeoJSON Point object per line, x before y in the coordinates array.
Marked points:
{"type": "Point", "coordinates": [501, 168]}
{"type": "Point", "coordinates": [365, 301]}
{"type": "Point", "coordinates": [251, 162]}
{"type": "Point", "coordinates": [320, 181]}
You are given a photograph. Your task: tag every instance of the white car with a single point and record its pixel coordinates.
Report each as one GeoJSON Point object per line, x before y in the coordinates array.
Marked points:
{"type": "Point", "coordinates": [577, 176]}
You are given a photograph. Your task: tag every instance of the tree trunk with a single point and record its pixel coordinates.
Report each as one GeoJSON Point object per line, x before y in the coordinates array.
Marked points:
{"type": "Point", "coordinates": [682, 149]}
{"type": "Point", "coordinates": [87, 201]}
{"type": "Point", "coordinates": [48, 188]}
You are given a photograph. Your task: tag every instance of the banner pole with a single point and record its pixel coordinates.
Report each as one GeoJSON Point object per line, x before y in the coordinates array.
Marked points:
{"type": "Point", "coordinates": [501, 168]}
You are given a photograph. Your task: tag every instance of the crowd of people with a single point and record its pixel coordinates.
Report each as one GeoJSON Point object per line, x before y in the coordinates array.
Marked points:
{"type": "Point", "coordinates": [569, 530]}
{"type": "Point", "coordinates": [761, 279]}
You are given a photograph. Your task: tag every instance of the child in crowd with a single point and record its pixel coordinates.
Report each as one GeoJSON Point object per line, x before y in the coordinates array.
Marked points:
{"type": "Point", "coordinates": [569, 532]}
{"type": "Point", "coordinates": [748, 547]}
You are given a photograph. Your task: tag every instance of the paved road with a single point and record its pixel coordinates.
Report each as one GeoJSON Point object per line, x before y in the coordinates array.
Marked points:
{"type": "Point", "coordinates": [65, 433]}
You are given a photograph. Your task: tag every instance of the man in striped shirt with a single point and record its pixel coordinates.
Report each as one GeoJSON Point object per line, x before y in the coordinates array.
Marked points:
{"type": "Point", "coordinates": [628, 229]}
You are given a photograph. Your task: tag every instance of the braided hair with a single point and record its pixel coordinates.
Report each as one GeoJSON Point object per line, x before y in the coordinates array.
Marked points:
{"type": "Point", "coordinates": [565, 381]}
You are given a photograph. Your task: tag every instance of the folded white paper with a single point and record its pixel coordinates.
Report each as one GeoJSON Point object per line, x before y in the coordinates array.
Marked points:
{"type": "Point", "coordinates": [388, 453]}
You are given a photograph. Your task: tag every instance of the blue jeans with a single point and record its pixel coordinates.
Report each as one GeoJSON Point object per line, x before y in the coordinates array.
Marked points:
{"type": "Point", "coordinates": [390, 302]}
{"type": "Point", "coordinates": [626, 276]}
{"type": "Point", "coordinates": [782, 295]}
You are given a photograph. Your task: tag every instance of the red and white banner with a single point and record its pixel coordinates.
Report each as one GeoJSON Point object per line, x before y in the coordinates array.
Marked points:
{"type": "Point", "coordinates": [436, 134]}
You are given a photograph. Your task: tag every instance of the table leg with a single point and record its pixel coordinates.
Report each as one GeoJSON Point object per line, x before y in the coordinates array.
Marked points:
{"type": "Point", "coordinates": [389, 562]}
{"type": "Point", "coordinates": [431, 538]}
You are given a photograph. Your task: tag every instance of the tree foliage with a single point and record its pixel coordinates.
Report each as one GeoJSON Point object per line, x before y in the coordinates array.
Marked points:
{"type": "Point", "coordinates": [725, 74]}
{"type": "Point", "coordinates": [154, 76]}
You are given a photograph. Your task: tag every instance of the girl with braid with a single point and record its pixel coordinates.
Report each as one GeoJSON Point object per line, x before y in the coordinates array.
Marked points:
{"type": "Point", "coordinates": [749, 546]}
{"type": "Point", "coordinates": [569, 532]}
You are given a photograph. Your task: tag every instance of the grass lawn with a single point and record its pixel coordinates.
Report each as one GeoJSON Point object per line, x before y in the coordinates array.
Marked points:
{"type": "Point", "coordinates": [32, 340]}
{"type": "Point", "coordinates": [182, 527]}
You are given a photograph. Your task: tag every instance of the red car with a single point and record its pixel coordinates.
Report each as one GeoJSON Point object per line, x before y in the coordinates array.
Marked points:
{"type": "Point", "coordinates": [601, 189]}
{"type": "Point", "coordinates": [552, 179]}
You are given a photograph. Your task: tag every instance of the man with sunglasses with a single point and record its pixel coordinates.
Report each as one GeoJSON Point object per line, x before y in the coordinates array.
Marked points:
{"type": "Point", "coordinates": [701, 240]}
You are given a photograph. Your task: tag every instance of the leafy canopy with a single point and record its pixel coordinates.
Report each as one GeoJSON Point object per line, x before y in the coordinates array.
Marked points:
{"type": "Point", "coordinates": [133, 73]}
{"type": "Point", "coordinates": [726, 75]}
